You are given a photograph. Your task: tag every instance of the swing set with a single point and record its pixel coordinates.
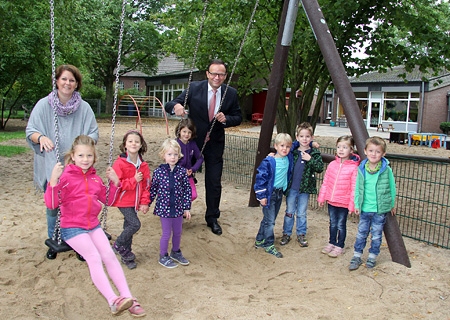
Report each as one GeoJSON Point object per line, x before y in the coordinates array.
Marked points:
{"type": "Point", "coordinates": [55, 242]}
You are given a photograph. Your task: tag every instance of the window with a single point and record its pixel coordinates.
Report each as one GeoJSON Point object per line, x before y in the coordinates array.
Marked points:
{"type": "Point", "coordinates": [136, 85]}
{"type": "Point", "coordinates": [121, 85]}
{"type": "Point", "coordinates": [401, 106]}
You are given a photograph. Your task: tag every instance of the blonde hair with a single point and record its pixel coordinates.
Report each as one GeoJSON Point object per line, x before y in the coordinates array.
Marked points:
{"type": "Point", "coordinates": [169, 144]}
{"type": "Point", "coordinates": [304, 126]}
{"type": "Point", "coordinates": [81, 140]}
{"type": "Point", "coordinates": [283, 137]}
{"type": "Point", "coordinates": [377, 141]}
{"type": "Point", "coordinates": [348, 139]}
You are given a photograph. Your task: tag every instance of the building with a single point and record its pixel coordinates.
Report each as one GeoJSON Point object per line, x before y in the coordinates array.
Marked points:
{"type": "Point", "coordinates": [418, 103]}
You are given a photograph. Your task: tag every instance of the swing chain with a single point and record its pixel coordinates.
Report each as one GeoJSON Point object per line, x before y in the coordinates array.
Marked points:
{"type": "Point", "coordinates": [52, 42]}
{"type": "Point", "coordinates": [103, 216]}
{"type": "Point", "coordinates": [247, 30]}
{"type": "Point", "coordinates": [195, 52]}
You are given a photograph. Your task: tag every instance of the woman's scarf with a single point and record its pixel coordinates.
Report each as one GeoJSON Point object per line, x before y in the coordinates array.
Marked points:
{"type": "Point", "coordinates": [64, 110]}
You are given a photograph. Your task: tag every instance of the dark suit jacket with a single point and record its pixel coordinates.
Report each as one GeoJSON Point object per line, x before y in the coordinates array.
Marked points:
{"type": "Point", "coordinates": [198, 111]}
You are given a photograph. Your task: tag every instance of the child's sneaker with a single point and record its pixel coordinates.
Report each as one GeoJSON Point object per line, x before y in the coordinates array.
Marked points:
{"type": "Point", "coordinates": [329, 247]}
{"type": "Point", "coordinates": [355, 263]}
{"type": "Point", "coordinates": [272, 250]}
{"type": "Point", "coordinates": [131, 264]}
{"type": "Point", "coordinates": [136, 309]}
{"type": "Point", "coordinates": [337, 251]}
{"type": "Point", "coordinates": [370, 263]}
{"type": "Point", "coordinates": [302, 240]}
{"type": "Point", "coordinates": [167, 262]}
{"type": "Point", "coordinates": [178, 257]}
{"type": "Point", "coordinates": [121, 304]}
{"type": "Point", "coordinates": [124, 253]}
{"type": "Point", "coordinates": [259, 244]}
{"type": "Point", "coordinates": [285, 239]}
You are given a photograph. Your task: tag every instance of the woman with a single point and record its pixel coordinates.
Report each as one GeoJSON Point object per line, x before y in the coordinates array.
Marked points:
{"type": "Point", "coordinates": [74, 117]}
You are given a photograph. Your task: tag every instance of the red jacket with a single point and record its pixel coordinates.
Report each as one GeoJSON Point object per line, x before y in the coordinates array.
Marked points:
{"type": "Point", "coordinates": [79, 196]}
{"type": "Point", "coordinates": [338, 187]}
{"type": "Point", "coordinates": [132, 193]}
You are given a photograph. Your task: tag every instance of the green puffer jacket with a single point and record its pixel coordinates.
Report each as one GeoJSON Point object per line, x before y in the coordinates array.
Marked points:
{"type": "Point", "coordinates": [313, 166]}
{"type": "Point", "coordinates": [385, 188]}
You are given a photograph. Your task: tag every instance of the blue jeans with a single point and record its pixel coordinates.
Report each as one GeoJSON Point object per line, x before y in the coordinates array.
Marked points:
{"type": "Point", "coordinates": [52, 215]}
{"type": "Point", "coordinates": [296, 205]}
{"type": "Point", "coordinates": [270, 212]}
{"type": "Point", "coordinates": [373, 223]}
{"type": "Point", "coordinates": [338, 225]}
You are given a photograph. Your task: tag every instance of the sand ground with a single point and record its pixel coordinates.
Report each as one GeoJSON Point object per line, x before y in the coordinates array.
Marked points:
{"type": "Point", "coordinates": [227, 278]}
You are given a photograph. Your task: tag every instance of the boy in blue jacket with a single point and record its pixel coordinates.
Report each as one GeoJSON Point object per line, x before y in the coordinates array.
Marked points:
{"type": "Point", "coordinates": [270, 183]}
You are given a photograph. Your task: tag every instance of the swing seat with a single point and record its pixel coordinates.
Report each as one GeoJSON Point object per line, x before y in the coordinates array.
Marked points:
{"type": "Point", "coordinates": [53, 244]}
{"type": "Point", "coordinates": [63, 246]}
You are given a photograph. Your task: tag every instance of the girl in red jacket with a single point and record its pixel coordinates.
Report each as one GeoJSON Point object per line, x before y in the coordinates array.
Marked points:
{"type": "Point", "coordinates": [338, 190]}
{"type": "Point", "coordinates": [78, 192]}
{"type": "Point", "coordinates": [134, 175]}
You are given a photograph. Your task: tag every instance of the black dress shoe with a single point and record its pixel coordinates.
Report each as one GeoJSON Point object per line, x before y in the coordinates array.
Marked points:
{"type": "Point", "coordinates": [215, 228]}
{"type": "Point", "coordinates": [51, 254]}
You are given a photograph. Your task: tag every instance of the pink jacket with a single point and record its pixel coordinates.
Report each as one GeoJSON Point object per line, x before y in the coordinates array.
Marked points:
{"type": "Point", "coordinates": [338, 187]}
{"type": "Point", "coordinates": [79, 196]}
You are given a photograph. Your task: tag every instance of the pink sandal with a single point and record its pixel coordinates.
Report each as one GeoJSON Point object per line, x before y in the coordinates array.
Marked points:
{"type": "Point", "coordinates": [121, 304]}
{"type": "Point", "coordinates": [136, 309]}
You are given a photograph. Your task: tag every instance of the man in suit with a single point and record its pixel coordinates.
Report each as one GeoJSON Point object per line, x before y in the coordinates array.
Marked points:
{"type": "Point", "coordinates": [200, 99]}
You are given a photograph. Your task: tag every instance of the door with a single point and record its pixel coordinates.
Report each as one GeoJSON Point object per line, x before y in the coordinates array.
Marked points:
{"type": "Point", "coordinates": [374, 113]}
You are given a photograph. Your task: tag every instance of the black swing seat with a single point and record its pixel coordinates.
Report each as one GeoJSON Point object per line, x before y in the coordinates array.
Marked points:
{"type": "Point", "coordinates": [57, 247]}
{"type": "Point", "coordinates": [63, 246]}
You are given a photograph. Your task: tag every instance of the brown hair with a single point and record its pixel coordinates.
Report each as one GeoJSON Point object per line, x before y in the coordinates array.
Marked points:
{"type": "Point", "coordinates": [143, 148]}
{"type": "Point", "coordinates": [80, 140]}
{"type": "Point", "coordinates": [304, 126]}
{"type": "Point", "coordinates": [186, 123]}
{"type": "Point", "coordinates": [377, 141]}
{"type": "Point", "coordinates": [74, 70]}
{"type": "Point", "coordinates": [348, 139]}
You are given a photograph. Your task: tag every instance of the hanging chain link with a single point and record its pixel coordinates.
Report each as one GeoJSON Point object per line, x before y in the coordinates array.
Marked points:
{"type": "Point", "coordinates": [103, 216]}
{"type": "Point", "coordinates": [247, 30]}
{"type": "Point", "coordinates": [195, 52]}
{"type": "Point", "coordinates": [57, 231]}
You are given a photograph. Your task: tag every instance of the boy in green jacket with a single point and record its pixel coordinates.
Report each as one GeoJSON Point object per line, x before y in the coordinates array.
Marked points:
{"type": "Point", "coordinates": [374, 199]}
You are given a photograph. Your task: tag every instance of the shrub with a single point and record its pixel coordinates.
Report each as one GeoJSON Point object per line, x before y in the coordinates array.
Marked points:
{"type": "Point", "coordinates": [445, 127]}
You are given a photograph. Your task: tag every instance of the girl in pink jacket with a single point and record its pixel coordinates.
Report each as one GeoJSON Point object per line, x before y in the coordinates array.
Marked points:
{"type": "Point", "coordinates": [78, 191]}
{"type": "Point", "coordinates": [338, 190]}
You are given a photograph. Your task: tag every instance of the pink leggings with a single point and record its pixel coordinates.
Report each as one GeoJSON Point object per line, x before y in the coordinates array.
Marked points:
{"type": "Point", "coordinates": [95, 248]}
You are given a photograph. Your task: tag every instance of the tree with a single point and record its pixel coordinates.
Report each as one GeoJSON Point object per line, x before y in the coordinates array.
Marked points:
{"type": "Point", "coordinates": [391, 33]}
{"type": "Point", "coordinates": [97, 29]}
{"type": "Point", "coordinates": [24, 66]}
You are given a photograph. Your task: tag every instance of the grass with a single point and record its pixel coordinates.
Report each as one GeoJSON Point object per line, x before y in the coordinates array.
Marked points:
{"type": "Point", "coordinates": [8, 150]}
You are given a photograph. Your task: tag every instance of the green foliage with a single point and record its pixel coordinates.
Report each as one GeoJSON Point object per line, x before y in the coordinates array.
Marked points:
{"type": "Point", "coordinates": [445, 127]}
{"type": "Point", "coordinates": [391, 33]}
{"type": "Point", "coordinates": [90, 91]}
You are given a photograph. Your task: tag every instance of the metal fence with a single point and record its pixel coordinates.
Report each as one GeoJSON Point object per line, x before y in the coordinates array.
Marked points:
{"type": "Point", "coordinates": [423, 189]}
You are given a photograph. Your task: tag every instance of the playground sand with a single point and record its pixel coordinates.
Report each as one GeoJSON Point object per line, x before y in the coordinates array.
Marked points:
{"type": "Point", "coordinates": [227, 278]}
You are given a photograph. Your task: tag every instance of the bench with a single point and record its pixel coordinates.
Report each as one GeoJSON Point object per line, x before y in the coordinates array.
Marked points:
{"type": "Point", "coordinates": [390, 127]}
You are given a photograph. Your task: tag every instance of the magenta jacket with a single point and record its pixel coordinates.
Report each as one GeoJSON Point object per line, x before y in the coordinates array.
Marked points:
{"type": "Point", "coordinates": [338, 187]}
{"type": "Point", "coordinates": [81, 197]}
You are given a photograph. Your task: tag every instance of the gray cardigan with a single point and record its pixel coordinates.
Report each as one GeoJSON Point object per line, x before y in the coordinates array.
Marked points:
{"type": "Point", "coordinates": [42, 121]}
